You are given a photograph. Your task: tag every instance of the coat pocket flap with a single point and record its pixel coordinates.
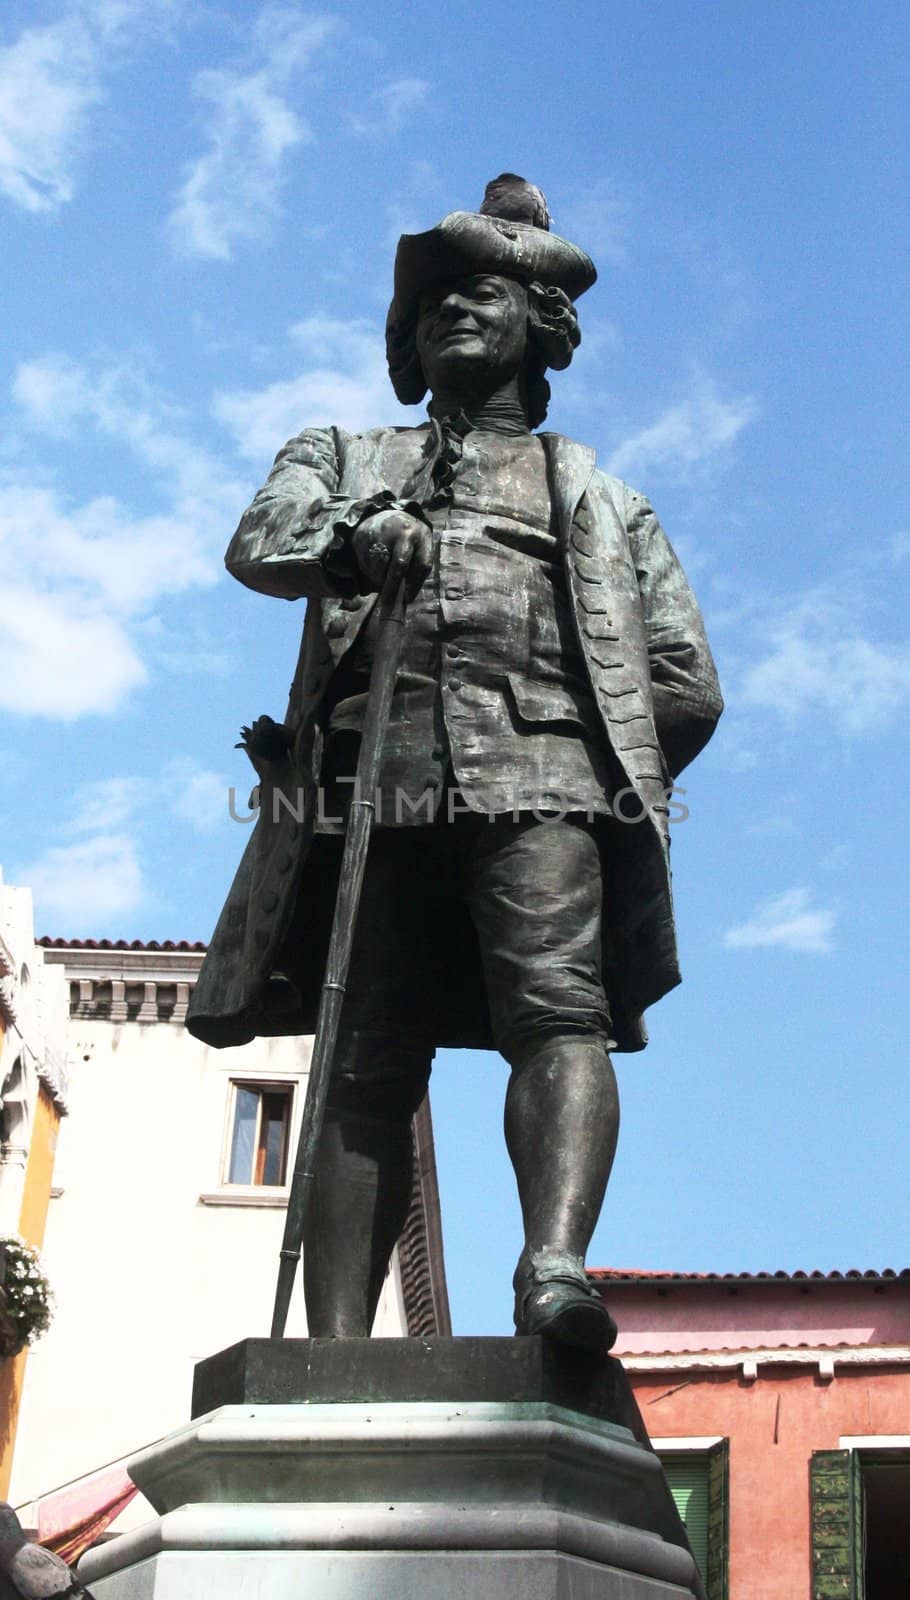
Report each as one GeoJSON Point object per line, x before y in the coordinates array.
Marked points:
{"type": "Point", "coordinates": [550, 702]}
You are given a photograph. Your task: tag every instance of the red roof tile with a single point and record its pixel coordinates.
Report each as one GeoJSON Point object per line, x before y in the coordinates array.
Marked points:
{"type": "Point", "coordinates": [644, 1275]}
{"type": "Point", "coordinates": [121, 944]}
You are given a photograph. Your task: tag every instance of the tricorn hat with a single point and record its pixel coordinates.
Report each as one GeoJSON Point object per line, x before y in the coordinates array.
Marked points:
{"type": "Point", "coordinates": [509, 235]}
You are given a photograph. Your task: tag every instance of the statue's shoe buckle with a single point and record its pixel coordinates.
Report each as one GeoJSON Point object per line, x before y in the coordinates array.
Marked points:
{"type": "Point", "coordinates": [554, 1298]}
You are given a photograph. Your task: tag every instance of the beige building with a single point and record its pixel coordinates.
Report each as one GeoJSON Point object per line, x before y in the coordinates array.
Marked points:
{"type": "Point", "coordinates": [167, 1211]}
{"type": "Point", "coordinates": [33, 1041]}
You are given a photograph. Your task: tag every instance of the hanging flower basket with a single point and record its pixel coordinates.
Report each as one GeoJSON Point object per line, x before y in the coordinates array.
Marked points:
{"type": "Point", "coordinates": [26, 1299]}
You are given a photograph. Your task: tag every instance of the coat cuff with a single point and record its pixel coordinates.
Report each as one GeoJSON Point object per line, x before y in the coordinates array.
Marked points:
{"type": "Point", "coordinates": [344, 516]}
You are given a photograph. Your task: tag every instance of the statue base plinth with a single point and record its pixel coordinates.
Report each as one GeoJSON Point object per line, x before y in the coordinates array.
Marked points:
{"type": "Point", "coordinates": [386, 1495]}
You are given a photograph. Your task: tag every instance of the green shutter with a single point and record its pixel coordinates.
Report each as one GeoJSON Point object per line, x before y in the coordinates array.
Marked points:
{"type": "Point", "coordinates": [858, 1517]}
{"type": "Point", "coordinates": [687, 1477]}
{"type": "Point", "coordinates": [836, 1508]}
{"type": "Point", "coordinates": [716, 1573]}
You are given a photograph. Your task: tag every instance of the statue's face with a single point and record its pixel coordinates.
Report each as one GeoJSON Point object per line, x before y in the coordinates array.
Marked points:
{"type": "Point", "coordinates": [471, 331]}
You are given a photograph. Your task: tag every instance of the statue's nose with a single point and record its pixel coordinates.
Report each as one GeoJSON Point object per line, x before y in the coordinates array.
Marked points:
{"type": "Point", "coordinates": [454, 304]}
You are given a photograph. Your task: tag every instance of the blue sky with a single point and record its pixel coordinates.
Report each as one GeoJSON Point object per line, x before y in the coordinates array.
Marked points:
{"type": "Point", "coordinates": [200, 204]}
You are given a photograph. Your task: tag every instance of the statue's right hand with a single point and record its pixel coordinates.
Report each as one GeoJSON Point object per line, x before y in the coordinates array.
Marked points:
{"type": "Point", "coordinates": [391, 544]}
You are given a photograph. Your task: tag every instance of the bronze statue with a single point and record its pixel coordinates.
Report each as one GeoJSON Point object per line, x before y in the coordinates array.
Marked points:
{"type": "Point", "coordinates": [555, 678]}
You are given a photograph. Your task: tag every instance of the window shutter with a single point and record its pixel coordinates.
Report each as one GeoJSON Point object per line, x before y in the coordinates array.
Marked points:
{"type": "Point", "coordinates": [716, 1572]}
{"type": "Point", "coordinates": [837, 1572]}
{"type": "Point", "coordinates": [687, 1477]}
{"type": "Point", "coordinates": [858, 1519]}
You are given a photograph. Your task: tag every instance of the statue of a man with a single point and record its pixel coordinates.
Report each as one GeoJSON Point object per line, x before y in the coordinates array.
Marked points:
{"type": "Point", "coordinates": [555, 678]}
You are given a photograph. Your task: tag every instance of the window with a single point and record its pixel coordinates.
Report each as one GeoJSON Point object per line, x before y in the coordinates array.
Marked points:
{"type": "Point", "coordinates": [688, 1481]}
{"type": "Point", "coordinates": [697, 1476]}
{"type": "Point", "coordinates": [886, 1496]}
{"type": "Point", "coordinates": [859, 1513]}
{"type": "Point", "coordinates": [259, 1134]}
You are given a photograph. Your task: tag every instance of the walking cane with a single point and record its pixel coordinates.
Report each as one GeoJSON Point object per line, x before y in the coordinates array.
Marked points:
{"type": "Point", "coordinates": [353, 864]}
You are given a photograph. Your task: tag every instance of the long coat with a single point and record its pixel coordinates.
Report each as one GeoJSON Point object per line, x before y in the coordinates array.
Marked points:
{"type": "Point", "coordinates": [642, 640]}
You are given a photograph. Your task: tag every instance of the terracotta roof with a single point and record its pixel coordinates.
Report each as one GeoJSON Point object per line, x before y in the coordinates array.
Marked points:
{"type": "Point", "coordinates": [645, 1275]}
{"type": "Point", "coordinates": [122, 944]}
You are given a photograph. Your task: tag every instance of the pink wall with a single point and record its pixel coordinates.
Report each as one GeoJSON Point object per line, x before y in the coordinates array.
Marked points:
{"type": "Point", "coordinates": [716, 1316]}
{"type": "Point", "coordinates": [773, 1426]}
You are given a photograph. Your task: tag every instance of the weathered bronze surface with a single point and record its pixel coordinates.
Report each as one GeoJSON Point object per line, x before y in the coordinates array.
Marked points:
{"type": "Point", "coordinates": [555, 677]}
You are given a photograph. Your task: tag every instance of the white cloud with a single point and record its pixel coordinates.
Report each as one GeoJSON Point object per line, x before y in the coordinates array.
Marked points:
{"type": "Point", "coordinates": [117, 20]}
{"type": "Point", "coordinates": [51, 78]}
{"type": "Point", "coordinates": [686, 435]}
{"type": "Point", "coordinates": [62, 657]}
{"type": "Point", "coordinates": [105, 806]}
{"type": "Point", "coordinates": [232, 191]}
{"type": "Point", "coordinates": [93, 874]}
{"type": "Point", "coordinates": [182, 789]}
{"type": "Point", "coordinates": [87, 576]}
{"type": "Point", "coordinates": [86, 883]}
{"type": "Point", "coordinates": [343, 381]}
{"type": "Point", "coordinates": [48, 83]}
{"type": "Point", "coordinates": [55, 394]}
{"type": "Point", "coordinates": [820, 663]}
{"type": "Point", "coordinates": [786, 921]}
{"type": "Point", "coordinates": [388, 109]}
{"type": "Point", "coordinates": [194, 794]}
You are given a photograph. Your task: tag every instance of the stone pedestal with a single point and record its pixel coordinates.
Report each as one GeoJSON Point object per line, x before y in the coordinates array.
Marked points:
{"type": "Point", "coordinates": [482, 1468]}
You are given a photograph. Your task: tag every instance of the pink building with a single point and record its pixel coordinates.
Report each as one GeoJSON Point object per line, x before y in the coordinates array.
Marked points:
{"type": "Point", "coordinates": [780, 1405]}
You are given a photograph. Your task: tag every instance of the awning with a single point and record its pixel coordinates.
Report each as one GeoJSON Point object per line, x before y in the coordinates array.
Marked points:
{"type": "Point", "coordinates": [74, 1518]}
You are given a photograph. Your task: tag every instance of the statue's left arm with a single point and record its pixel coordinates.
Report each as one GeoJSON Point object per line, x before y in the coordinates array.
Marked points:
{"type": "Point", "coordinates": [687, 697]}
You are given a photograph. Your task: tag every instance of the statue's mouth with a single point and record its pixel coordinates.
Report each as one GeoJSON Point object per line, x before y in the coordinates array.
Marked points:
{"type": "Point", "coordinates": [456, 333]}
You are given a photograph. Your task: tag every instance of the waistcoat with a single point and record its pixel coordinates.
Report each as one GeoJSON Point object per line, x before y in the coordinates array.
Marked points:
{"type": "Point", "coordinates": [492, 694]}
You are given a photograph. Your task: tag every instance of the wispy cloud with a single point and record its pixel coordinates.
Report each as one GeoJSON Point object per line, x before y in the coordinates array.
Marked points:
{"type": "Point", "coordinates": [51, 78]}
{"type": "Point", "coordinates": [232, 192]}
{"type": "Point", "coordinates": [342, 380]}
{"type": "Point", "coordinates": [687, 435]}
{"type": "Point", "coordinates": [194, 794]}
{"type": "Point", "coordinates": [87, 883]}
{"type": "Point", "coordinates": [85, 575]}
{"type": "Point", "coordinates": [787, 921]}
{"type": "Point", "coordinates": [820, 662]}
{"type": "Point", "coordinates": [94, 874]}
{"type": "Point", "coordinates": [389, 108]}
{"type": "Point", "coordinates": [105, 806]}
{"type": "Point", "coordinates": [598, 221]}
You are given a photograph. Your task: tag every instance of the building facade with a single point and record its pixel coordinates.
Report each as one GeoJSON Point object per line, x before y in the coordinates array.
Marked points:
{"type": "Point", "coordinates": [33, 1024]}
{"type": "Point", "coordinates": [166, 1214]}
{"type": "Point", "coordinates": [780, 1406]}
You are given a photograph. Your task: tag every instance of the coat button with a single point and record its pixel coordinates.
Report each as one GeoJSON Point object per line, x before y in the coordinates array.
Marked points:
{"type": "Point", "coordinates": [269, 901]}
{"type": "Point", "coordinates": [454, 684]}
